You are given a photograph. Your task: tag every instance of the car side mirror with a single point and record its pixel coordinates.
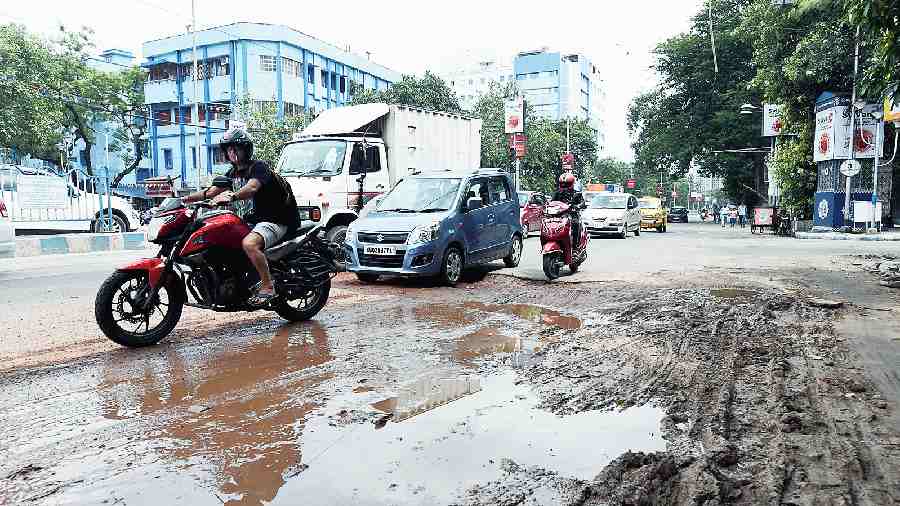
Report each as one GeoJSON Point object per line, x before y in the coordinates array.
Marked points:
{"type": "Point", "coordinates": [223, 182]}
{"type": "Point", "coordinates": [474, 203]}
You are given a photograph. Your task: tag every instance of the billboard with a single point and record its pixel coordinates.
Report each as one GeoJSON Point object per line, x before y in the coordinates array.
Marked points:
{"type": "Point", "coordinates": [514, 116]}
{"type": "Point", "coordinates": [771, 121]}
{"type": "Point", "coordinates": [832, 135]}
{"type": "Point", "coordinates": [42, 192]}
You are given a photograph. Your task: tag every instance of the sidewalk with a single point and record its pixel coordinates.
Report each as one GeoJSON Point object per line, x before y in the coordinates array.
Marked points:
{"type": "Point", "coordinates": [29, 246]}
{"type": "Point", "coordinates": [841, 236]}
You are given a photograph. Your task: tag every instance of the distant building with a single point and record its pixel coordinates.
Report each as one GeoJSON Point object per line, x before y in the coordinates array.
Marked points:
{"type": "Point", "coordinates": [474, 80]}
{"type": "Point", "coordinates": [556, 85]}
{"type": "Point", "coordinates": [267, 63]}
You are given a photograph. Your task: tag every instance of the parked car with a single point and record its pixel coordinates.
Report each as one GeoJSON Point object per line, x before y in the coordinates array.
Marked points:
{"type": "Point", "coordinates": [531, 210]}
{"type": "Point", "coordinates": [613, 213]}
{"type": "Point", "coordinates": [678, 214]}
{"type": "Point", "coordinates": [437, 224]}
{"type": "Point", "coordinates": [7, 233]}
{"type": "Point", "coordinates": [653, 213]}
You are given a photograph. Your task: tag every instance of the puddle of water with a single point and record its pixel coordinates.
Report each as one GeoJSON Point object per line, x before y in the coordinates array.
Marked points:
{"type": "Point", "coordinates": [732, 293]}
{"type": "Point", "coordinates": [427, 394]}
{"type": "Point", "coordinates": [460, 315]}
{"type": "Point", "coordinates": [432, 458]}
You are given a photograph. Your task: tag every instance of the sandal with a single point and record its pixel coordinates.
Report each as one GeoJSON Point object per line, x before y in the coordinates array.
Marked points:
{"type": "Point", "coordinates": [261, 299]}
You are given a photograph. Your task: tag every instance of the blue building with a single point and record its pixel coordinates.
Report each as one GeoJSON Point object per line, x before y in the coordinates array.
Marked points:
{"type": "Point", "coordinates": [267, 63]}
{"type": "Point", "coordinates": [560, 86]}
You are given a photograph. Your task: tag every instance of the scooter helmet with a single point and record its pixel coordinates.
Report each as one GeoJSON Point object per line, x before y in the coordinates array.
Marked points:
{"type": "Point", "coordinates": [237, 136]}
{"type": "Point", "coordinates": [567, 181]}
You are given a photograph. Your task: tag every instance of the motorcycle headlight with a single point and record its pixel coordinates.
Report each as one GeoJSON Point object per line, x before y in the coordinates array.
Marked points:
{"type": "Point", "coordinates": [424, 233]}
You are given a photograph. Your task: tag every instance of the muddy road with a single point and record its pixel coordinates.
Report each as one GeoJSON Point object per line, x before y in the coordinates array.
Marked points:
{"type": "Point", "coordinates": [715, 386]}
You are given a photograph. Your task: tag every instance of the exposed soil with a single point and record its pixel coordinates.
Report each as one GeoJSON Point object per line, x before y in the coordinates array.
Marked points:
{"type": "Point", "coordinates": [764, 403]}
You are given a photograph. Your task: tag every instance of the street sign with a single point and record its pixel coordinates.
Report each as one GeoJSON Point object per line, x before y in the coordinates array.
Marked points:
{"type": "Point", "coordinates": [517, 143]}
{"type": "Point", "coordinates": [568, 161]}
{"type": "Point", "coordinates": [850, 168]}
{"type": "Point", "coordinates": [630, 183]}
{"type": "Point", "coordinates": [514, 116]}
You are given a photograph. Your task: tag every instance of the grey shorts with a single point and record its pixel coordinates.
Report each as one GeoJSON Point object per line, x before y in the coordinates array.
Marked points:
{"type": "Point", "coordinates": [270, 232]}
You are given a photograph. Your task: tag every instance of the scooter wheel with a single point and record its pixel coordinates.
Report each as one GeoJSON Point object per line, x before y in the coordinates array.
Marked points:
{"type": "Point", "coordinates": [552, 266]}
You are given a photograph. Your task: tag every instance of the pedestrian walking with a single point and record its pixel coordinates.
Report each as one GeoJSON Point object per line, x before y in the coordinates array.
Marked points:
{"type": "Point", "coordinates": [723, 215]}
{"type": "Point", "coordinates": [742, 214]}
{"type": "Point", "coordinates": [716, 210]}
{"type": "Point", "coordinates": [732, 215]}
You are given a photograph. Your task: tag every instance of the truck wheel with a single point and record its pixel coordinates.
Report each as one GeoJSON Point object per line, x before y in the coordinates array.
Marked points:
{"type": "Point", "coordinates": [337, 235]}
{"type": "Point", "coordinates": [118, 225]}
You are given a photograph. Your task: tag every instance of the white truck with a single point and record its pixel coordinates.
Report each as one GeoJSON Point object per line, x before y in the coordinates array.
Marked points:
{"type": "Point", "coordinates": [41, 200]}
{"type": "Point", "coordinates": [348, 155]}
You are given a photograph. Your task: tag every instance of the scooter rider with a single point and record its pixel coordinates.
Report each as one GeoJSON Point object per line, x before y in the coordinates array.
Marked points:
{"type": "Point", "coordinates": [262, 198]}
{"type": "Point", "coordinates": [567, 193]}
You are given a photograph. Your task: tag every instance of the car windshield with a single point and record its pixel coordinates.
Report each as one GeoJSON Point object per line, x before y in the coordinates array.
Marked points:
{"type": "Point", "coordinates": [609, 202]}
{"type": "Point", "coordinates": [420, 195]}
{"type": "Point", "coordinates": [648, 204]}
{"type": "Point", "coordinates": [313, 158]}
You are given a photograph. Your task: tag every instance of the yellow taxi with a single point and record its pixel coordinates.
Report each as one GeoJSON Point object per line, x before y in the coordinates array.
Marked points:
{"type": "Point", "coordinates": [653, 213]}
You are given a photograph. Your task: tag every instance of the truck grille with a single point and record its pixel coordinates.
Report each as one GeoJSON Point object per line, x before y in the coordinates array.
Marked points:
{"type": "Point", "coordinates": [386, 238]}
{"type": "Point", "coordinates": [390, 261]}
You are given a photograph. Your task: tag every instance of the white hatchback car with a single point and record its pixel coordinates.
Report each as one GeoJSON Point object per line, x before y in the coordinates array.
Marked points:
{"type": "Point", "coordinates": [613, 213]}
{"type": "Point", "coordinates": [7, 233]}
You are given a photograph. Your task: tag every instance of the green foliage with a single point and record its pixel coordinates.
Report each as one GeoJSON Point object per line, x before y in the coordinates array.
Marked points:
{"type": "Point", "coordinates": [695, 111]}
{"type": "Point", "coordinates": [879, 21]}
{"type": "Point", "coordinates": [269, 132]}
{"type": "Point", "coordinates": [430, 92]}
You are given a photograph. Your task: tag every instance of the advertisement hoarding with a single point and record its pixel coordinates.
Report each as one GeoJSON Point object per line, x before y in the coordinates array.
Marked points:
{"type": "Point", "coordinates": [514, 116]}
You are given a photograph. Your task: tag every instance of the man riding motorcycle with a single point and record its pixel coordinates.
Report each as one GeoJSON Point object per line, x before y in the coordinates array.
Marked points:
{"type": "Point", "coordinates": [567, 193]}
{"type": "Point", "coordinates": [262, 198]}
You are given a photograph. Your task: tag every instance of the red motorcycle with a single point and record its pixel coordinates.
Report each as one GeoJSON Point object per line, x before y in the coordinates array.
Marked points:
{"type": "Point", "coordinates": [201, 263]}
{"type": "Point", "coordinates": [556, 240]}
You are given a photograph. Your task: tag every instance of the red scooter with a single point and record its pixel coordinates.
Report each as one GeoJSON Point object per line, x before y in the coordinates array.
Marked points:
{"type": "Point", "coordinates": [201, 263]}
{"type": "Point", "coordinates": [556, 240]}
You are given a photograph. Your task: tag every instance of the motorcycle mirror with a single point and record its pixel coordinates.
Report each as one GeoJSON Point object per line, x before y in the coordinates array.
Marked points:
{"type": "Point", "coordinates": [223, 182]}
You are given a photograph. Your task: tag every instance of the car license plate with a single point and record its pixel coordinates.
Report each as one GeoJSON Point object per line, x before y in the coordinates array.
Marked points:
{"type": "Point", "coordinates": [380, 250]}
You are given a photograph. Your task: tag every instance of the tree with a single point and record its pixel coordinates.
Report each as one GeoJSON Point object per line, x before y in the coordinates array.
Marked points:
{"type": "Point", "coordinates": [269, 132]}
{"type": "Point", "coordinates": [693, 114]}
{"type": "Point", "coordinates": [30, 120]}
{"type": "Point", "coordinates": [879, 23]}
{"type": "Point", "coordinates": [494, 141]}
{"type": "Point", "coordinates": [129, 112]}
{"type": "Point", "coordinates": [430, 92]}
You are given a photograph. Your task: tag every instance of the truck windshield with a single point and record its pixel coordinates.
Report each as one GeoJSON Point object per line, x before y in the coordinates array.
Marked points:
{"type": "Point", "coordinates": [313, 158]}
{"type": "Point", "coordinates": [609, 202]}
{"type": "Point", "coordinates": [420, 195]}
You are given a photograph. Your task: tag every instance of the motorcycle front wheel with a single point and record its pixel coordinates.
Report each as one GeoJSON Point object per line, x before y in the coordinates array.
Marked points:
{"type": "Point", "coordinates": [119, 313]}
{"type": "Point", "coordinates": [306, 306]}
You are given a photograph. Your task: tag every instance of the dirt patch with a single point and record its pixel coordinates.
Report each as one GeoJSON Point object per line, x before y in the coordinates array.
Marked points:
{"type": "Point", "coordinates": [764, 404]}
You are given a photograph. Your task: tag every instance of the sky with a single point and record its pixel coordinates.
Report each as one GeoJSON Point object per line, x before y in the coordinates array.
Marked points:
{"type": "Point", "coordinates": [410, 37]}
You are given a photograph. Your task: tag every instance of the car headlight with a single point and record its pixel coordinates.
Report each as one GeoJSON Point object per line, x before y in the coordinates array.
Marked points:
{"type": "Point", "coordinates": [424, 233]}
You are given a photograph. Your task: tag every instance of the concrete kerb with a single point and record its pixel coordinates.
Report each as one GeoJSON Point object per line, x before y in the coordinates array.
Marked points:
{"type": "Point", "coordinates": [78, 243]}
{"type": "Point", "coordinates": [837, 236]}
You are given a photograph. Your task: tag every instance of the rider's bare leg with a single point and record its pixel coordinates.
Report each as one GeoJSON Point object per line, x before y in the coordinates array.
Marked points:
{"type": "Point", "coordinates": [253, 245]}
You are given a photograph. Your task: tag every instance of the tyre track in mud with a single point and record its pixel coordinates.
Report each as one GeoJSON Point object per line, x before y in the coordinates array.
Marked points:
{"type": "Point", "coordinates": [765, 403]}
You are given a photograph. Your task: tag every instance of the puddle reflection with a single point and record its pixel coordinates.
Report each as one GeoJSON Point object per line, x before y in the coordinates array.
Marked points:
{"type": "Point", "coordinates": [237, 411]}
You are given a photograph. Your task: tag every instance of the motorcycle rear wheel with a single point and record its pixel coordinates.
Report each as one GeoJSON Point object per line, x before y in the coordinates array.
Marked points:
{"type": "Point", "coordinates": [552, 266]}
{"type": "Point", "coordinates": [309, 306]}
{"type": "Point", "coordinates": [117, 295]}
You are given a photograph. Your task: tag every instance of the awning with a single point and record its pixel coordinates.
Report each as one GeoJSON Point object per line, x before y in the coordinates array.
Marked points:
{"type": "Point", "coordinates": [344, 120]}
{"type": "Point", "coordinates": [158, 61]}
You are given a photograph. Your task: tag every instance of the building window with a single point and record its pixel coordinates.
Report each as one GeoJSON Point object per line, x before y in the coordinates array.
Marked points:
{"type": "Point", "coordinates": [311, 73]}
{"type": "Point", "coordinates": [291, 110]}
{"type": "Point", "coordinates": [324, 81]}
{"type": "Point", "coordinates": [193, 157]}
{"type": "Point", "coordinates": [334, 81]}
{"type": "Point", "coordinates": [162, 72]}
{"type": "Point", "coordinates": [266, 63]}
{"type": "Point", "coordinates": [167, 159]}
{"type": "Point", "coordinates": [219, 155]}
{"type": "Point", "coordinates": [343, 84]}
{"type": "Point", "coordinates": [291, 67]}
{"type": "Point", "coordinates": [471, 82]}
{"type": "Point", "coordinates": [502, 78]}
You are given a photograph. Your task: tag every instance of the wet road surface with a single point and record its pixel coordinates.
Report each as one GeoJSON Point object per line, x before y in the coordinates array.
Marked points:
{"type": "Point", "coordinates": [398, 393]}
